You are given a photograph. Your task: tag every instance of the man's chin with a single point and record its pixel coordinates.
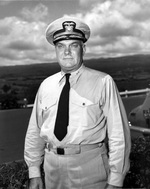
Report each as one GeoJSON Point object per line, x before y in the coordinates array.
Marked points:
{"type": "Point", "coordinates": [69, 68]}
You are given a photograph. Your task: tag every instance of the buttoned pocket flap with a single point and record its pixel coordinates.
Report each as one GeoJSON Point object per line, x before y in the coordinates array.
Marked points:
{"type": "Point", "coordinates": [80, 101]}
{"type": "Point", "coordinates": [48, 103]}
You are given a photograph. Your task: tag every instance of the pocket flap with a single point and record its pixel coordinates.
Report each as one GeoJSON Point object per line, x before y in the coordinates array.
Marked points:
{"type": "Point", "coordinates": [80, 101]}
{"type": "Point", "coordinates": [47, 103]}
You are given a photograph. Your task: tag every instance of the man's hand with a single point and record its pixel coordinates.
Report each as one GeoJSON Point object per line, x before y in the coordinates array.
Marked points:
{"type": "Point", "coordinates": [108, 186]}
{"type": "Point", "coordinates": [36, 183]}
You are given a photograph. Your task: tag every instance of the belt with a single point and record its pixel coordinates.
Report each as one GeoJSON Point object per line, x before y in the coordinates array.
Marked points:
{"type": "Point", "coordinates": [75, 149]}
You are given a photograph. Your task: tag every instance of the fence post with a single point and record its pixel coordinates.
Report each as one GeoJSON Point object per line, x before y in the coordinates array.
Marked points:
{"type": "Point", "coordinates": [126, 93]}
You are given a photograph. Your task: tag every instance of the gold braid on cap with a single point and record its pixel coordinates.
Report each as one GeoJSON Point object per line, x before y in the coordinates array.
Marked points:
{"type": "Point", "coordinates": [69, 31]}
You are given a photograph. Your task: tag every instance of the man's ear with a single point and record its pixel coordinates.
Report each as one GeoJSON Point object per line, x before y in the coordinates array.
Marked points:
{"type": "Point", "coordinates": [84, 49]}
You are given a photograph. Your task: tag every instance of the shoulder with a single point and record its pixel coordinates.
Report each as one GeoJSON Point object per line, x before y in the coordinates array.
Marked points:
{"type": "Point", "coordinates": [51, 79]}
{"type": "Point", "coordinates": [96, 73]}
{"type": "Point", "coordinates": [96, 77]}
{"type": "Point", "coordinates": [49, 83]}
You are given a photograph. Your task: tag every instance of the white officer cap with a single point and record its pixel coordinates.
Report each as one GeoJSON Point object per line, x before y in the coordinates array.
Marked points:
{"type": "Point", "coordinates": [67, 28]}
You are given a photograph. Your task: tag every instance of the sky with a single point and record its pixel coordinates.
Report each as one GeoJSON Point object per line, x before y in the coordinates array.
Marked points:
{"type": "Point", "coordinates": [118, 28]}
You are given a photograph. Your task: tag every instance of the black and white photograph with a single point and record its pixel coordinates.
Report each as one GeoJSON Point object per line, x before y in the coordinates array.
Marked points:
{"type": "Point", "coordinates": [74, 94]}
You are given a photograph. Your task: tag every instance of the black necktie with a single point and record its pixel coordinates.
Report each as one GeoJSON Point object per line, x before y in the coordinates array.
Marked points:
{"type": "Point", "coordinates": [62, 118]}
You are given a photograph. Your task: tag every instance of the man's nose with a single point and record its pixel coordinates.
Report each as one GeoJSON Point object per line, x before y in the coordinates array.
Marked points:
{"type": "Point", "coordinates": [67, 51]}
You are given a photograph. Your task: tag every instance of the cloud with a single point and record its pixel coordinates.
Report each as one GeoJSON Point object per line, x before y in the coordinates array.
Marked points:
{"type": "Point", "coordinates": [4, 2]}
{"type": "Point", "coordinates": [118, 28]}
{"type": "Point", "coordinates": [134, 10]}
{"type": "Point", "coordinates": [22, 45]}
{"type": "Point", "coordinates": [36, 14]}
{"type": "Point", "coordinates": [87, 3]}
{"type": "Point", "coordinates": [23, 41]}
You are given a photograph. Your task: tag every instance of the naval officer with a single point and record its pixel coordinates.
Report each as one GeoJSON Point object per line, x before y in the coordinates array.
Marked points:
{"type": "Point", "coordinates": [75, 110]}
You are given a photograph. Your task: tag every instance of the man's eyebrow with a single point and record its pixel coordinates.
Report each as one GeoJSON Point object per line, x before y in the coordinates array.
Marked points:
{"type": "Point", "coordinates": [75, 42]}
{"type": "Point", "coordinates": [59, 43]}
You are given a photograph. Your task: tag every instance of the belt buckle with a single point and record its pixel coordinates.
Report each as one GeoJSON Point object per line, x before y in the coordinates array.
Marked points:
{"type": "Point", "coordinates": [60, 151]}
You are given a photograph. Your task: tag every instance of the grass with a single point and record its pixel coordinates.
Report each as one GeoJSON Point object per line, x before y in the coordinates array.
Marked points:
{"type": "Point", "coordinates": [14, 175]}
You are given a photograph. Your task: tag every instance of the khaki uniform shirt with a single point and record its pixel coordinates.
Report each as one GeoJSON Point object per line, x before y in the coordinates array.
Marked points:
{"type": "Point", "coordinates": [95, 107]}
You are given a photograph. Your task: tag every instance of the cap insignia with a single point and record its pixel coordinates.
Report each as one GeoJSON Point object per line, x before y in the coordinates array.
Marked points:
{"type": "Point", "coordinates": [69, 26]}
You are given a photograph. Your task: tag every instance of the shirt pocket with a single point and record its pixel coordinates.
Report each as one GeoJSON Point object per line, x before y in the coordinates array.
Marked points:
{"type": "Point", "coordinates": [82, 102]}
{"type": "Point", "coordinates": [49, 107]}
{"type": "Point", "coordinates": [85, 111]}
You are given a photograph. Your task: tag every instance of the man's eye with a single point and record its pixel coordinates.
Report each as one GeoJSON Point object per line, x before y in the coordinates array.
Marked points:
{"type": "Point", "coordinates": [75, 45]}
{"type": "Point", "coordinates": [60, 46]}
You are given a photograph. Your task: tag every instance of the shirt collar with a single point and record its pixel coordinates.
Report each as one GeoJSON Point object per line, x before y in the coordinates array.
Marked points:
{"type": "Point", "coordinates": [74, 75]}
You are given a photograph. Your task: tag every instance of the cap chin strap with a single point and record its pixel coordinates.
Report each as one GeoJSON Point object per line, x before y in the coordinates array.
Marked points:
{"type": "Point", "coordinates": [69, 37]}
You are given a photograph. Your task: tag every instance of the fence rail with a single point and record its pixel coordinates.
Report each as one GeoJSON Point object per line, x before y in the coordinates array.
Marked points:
{"type": "Point", "coordinates": [144, 131]}
{"type": "Point", "coordinates": [126, 93]}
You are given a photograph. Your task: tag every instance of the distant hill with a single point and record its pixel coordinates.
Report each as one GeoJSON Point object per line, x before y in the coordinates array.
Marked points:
{"type": "Point", "coordinates": [129, 73]}
{"type": "Point", "coordinates": [107, 65]}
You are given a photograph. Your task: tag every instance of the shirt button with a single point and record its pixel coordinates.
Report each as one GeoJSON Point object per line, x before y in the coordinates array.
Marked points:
{"type": "Point", "coordinates": [83, 104]}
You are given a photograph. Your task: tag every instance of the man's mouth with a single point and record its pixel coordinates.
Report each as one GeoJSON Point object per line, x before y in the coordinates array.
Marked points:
{"type": "Point", "coordinates": [68, 58]}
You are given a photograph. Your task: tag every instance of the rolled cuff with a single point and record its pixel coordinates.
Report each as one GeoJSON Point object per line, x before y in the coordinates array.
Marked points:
{"type": "Point", "coordinates": [116, 179]}
{"type": "Point", "coordinates": [34, 172]}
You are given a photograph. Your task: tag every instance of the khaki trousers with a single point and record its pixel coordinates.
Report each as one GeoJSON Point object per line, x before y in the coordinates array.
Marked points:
{"type": "Point", "coordinates": [87, 170]}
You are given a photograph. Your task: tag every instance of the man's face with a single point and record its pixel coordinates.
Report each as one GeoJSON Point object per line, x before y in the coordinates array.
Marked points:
{"type": "Point", "coordinates": [70, 54]}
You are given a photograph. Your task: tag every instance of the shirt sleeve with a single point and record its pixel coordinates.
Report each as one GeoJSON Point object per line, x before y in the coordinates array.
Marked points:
{"type": "Point", "coordinates": [119, 140]}
{"type": "Point", "coordinates": [34, 144]}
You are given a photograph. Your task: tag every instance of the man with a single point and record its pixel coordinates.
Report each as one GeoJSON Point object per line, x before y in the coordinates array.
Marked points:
{"type": "Point", "coordinates": [71, 139]}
